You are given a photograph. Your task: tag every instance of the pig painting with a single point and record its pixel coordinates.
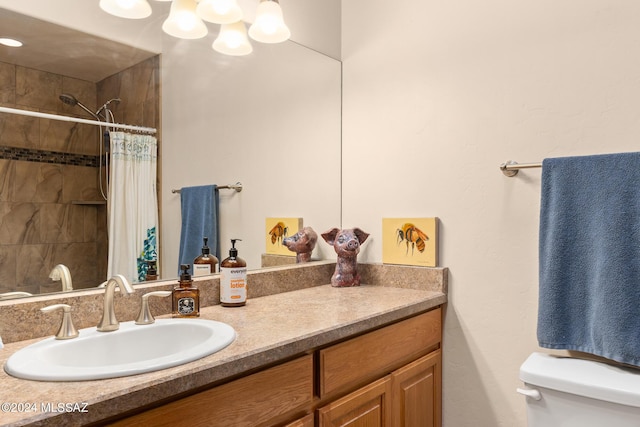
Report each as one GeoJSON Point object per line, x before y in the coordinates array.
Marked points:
{"type": "Point", "coordinates": [347, 245]}
{"type": "Point", "coordinates": [302, 243]}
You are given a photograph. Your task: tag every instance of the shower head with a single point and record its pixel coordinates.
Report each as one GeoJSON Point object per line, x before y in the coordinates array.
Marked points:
{"type": "Point", "coordinates": [71, 100]}
{"type": "Point", "coordinates": [68, 99]}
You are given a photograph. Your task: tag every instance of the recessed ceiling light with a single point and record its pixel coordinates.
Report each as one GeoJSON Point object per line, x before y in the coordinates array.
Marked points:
{"type": "Point", "coordinates": [10, 42]}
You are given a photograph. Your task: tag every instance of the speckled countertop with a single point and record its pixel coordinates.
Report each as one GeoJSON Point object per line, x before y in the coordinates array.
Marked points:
{"type": "Point", "coordinates": [269, 329]}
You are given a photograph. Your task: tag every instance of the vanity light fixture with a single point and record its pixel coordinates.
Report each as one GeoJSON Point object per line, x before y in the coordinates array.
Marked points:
{"type": "Point", "coordinates": [5, 41]}
{"type": "Point", "coordinates": [131, 9]}
{"type": "Point", "coordinates": [219, 11]}
{"type": "Point", "coordinates": [233, 40]}
{"type": "Point", "coordinates": [183, 22]}
{"type": "Point", "coordinates": [269, 26]}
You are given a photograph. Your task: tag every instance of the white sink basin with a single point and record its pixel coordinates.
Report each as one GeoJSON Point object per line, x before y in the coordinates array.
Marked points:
{"type": "Point", "coordinates": [132, 349]}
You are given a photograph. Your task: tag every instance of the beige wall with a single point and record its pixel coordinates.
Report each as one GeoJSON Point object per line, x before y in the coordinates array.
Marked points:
{"type": "Point", "coordinates": [436, 96]}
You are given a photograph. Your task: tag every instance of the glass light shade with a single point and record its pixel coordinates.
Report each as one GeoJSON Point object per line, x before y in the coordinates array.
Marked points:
{"type": "Point", "coordinates": [183, 22]}
{"type": "Point", "coordinates": [10, 42]}
{"type": "Point", "coordinates": [219, 11]}
{"type": "Point", "coordinates": [233, 40]}
{"type": "Point", "coordinates": [131, 9]}
{"type": "Point", "coordinates": [269, 26]}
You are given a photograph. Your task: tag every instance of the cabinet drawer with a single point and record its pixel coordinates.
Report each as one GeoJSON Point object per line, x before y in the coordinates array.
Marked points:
{"type": "Point", "coordinates": [377, 353]}
{"type": "Point", "coordinates": [248, 401]}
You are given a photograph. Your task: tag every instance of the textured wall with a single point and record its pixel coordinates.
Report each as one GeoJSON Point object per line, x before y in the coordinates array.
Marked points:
{"type": "Point", "coordinates": [436, 96]}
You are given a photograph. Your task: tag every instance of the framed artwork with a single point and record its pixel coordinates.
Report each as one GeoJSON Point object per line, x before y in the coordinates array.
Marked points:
{"type": "Point", "coordinates": [410, 241]}
{"type": "Point", "coordinates": [276, 230]}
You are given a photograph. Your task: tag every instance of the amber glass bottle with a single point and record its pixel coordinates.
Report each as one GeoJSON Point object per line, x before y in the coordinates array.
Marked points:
{"type": "Point", "coordinates": [186, 297]}
{"type": "Point", "coordinates": [205, 263]}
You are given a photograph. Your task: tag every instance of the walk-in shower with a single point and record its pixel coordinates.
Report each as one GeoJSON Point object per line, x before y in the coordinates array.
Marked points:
{"type": "Point", "coordinates": [104, 114]}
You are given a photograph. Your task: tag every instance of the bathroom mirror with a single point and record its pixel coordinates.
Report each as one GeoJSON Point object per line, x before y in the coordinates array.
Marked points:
{"type": "Point", "coordinates": [270, 120]}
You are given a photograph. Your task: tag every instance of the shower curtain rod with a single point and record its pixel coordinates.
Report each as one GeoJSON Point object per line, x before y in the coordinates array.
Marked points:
{"type": "Point", "coordinates": [237, 186]}
{"type": "Point", "coordinates": [511, 168]}
{"type": "Point", "coordinates": [76, 120]}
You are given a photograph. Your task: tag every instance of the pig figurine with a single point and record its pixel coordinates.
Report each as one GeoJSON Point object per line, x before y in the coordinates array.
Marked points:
{"type": "Point", "coordinates": [347, 245]}
{"type": "Point", "coordinates": [302, 243]}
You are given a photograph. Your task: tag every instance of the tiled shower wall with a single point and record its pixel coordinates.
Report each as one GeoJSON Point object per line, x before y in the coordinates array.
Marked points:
{"type": "Point", "coordinates": [51, 209]}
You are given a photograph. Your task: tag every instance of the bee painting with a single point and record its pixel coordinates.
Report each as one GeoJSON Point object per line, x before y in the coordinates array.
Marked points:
{"type": "Point", "coordinates": [278, 232]}
{"type": "Point", "coordinates": [410, 241]}
{"type": "Point", "coordinates": [278, 229]}
{"type": "Point", "coordinates": [411, 234]}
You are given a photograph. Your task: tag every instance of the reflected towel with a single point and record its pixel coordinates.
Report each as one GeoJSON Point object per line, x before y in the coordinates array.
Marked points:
{"type": "Point", "coordinates": [589, 256]}
{"type": "Point", "coordinates": [200, 218]}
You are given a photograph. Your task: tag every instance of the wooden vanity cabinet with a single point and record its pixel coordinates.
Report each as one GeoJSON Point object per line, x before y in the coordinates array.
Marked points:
{"type": "Point", "coordinates": [406, 357]}
{"type": "Point", "coordinates": [388, 377]}
{"type": "Point", "coordinates": [254, 400]}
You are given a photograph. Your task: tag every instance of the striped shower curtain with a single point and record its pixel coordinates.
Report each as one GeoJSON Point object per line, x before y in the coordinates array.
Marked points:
{"type": "Point", "coordinates": [132, 205]}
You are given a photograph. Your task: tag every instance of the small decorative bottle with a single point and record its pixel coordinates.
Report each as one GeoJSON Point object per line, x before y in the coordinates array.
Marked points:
{"type": "Point", "coordinates": [205, 263]}
{"type": "Point", "coordinates": [152, 270]}
{"type": "Point", "coordinates": [233, 279]}
{"type": "Point", "coordinates": [186, 297]}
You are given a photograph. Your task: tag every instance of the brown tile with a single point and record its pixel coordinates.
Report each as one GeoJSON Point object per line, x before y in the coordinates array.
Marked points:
{"type": "Point", "coordinates": [80, 183]}
{"type": "Point", "coordinates": [60, 223]}
{"type": "Point", "coordinates": [81, 260]}
{"type": "Point", "coordinates": [38, 182]}
{"type": "Point", "coordinates": [18, 222]}
{"type": "Point", "coordinates": [7, 268]}
{"type": "Point", "coordinates": [7, 84]}
{"type": "Point", "coordinates": [19, 131]}
{"type": "Point", "coordinates": [33, 265]}
{"type": "Point", "coordinates": [69, 137]}
{"type": "Point", "coordinates": [7, 179]}
{"type": "Point", "coordinates": [84, 92]}
{"type": "Point", "coordinates": [37, 89]}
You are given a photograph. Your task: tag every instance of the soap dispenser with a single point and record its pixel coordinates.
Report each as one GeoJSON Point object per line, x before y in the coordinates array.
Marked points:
{"type": "Point", "coordinates": [205, 263]}
{"type": "Point", "coordinates": [186, 297]}
{"type": "Point", "coordinates": [233, 279]}
{"type": "Point", "coordinates": [152, 270]}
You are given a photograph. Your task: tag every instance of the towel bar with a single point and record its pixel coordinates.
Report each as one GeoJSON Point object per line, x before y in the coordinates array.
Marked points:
{"type": "Point", "coordinates": [237, 186]}
{"type": "Point", "coordinates": [511, 168]}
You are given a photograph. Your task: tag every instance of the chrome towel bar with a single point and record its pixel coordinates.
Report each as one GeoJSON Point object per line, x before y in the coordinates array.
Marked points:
{"type": "Point", "coordinates": [237, 186]}
{"type": "Point", "coordinates": [511, 168]}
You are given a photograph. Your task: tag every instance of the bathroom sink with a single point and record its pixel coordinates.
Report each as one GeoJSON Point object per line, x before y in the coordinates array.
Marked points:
{"type": "Point", "coordinates": [132, 349]}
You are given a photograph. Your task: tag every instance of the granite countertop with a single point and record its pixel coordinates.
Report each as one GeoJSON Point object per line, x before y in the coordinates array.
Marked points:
{"type": "Point", "coordinates": [269, 329]}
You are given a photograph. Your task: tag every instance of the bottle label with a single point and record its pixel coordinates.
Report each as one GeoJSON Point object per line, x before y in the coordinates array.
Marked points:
{"type": "Point", "coordinates": [233, 284]}
{"type": "Point", "coordinates": [201, 269]}
{"type": "Point", "coordinates": [186, 306]}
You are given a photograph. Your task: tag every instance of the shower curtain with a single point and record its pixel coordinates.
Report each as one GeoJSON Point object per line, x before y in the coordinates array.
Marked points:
{"type": "Point", "coordinates": [132, 205]}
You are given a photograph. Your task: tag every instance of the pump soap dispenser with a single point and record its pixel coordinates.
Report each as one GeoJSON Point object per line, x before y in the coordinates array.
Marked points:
{"type": "Point", "coordinates": [205, 263]}
{"type": "Point", "coordinates": [186, 297]}
{"type": "Point", "coordinates": [233, 279]}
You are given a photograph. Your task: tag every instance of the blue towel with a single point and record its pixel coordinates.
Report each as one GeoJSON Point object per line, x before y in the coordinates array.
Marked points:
{"type": "Point", "coordinates": [200, 218]}
{"type": "Point", "coordinates": [589, 256]}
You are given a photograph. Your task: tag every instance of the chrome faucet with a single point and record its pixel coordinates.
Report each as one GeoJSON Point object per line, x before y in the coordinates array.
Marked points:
{"type": "Point", "coordinates": [109, 321]}
{"type": "Point", "coordinates": [61, 272]}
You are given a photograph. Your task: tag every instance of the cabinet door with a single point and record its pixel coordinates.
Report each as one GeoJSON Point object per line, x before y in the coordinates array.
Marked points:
{"type": "Point", "coordinates": [369, 406]}
{"type": "Point", "coordinates": [416, 390]}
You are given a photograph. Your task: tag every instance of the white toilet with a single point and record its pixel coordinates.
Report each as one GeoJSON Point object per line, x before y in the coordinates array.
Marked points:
{"type": "Point", "coordinates": [567, 392]}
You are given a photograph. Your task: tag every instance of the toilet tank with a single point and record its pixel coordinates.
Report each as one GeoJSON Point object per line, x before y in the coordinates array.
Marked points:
{"type": "Point", "coordinates": [568, 392]}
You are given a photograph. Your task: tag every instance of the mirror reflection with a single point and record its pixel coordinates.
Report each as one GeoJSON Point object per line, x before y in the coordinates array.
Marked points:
{"type": "Point", "coordinates": [270, 120]}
